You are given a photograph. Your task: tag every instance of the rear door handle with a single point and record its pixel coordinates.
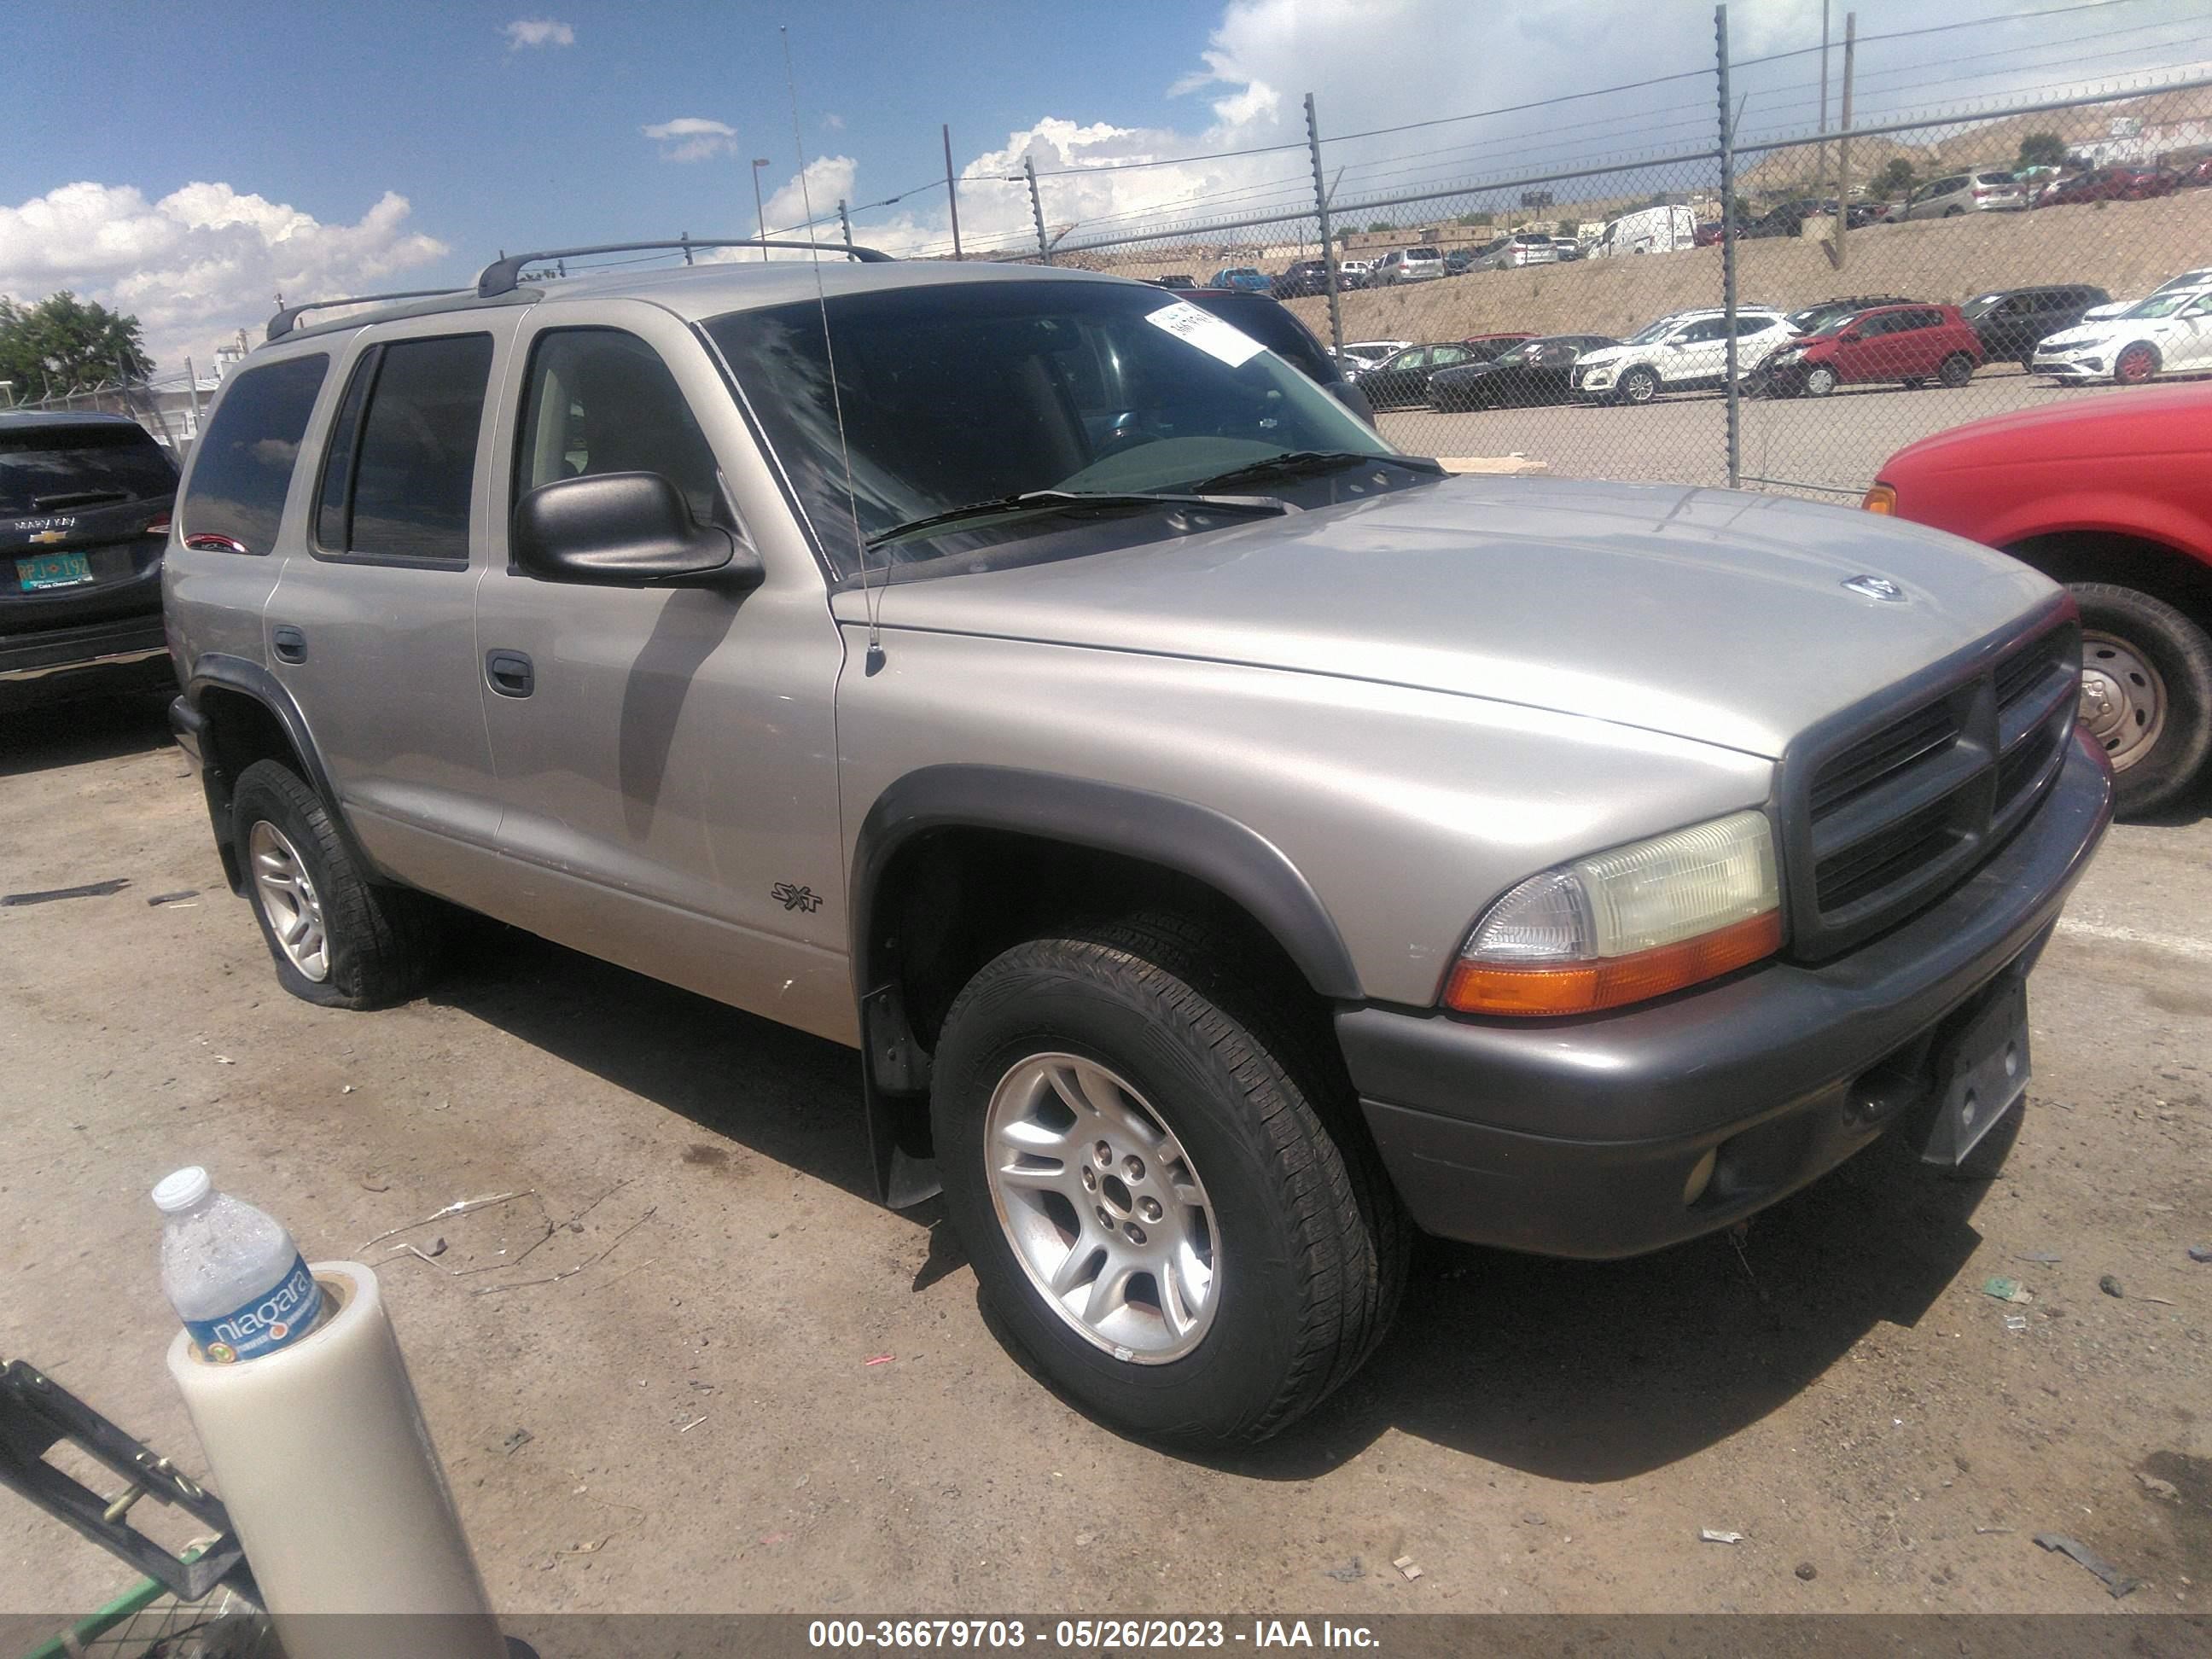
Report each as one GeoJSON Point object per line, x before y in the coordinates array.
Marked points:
{"type": "Point", "coordinates": [509, 673]}
{"type": "Point", "coordinates": [289, 644]}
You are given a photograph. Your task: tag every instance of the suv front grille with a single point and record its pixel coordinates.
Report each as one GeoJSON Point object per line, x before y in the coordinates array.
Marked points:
{"type": "Point", "coordinates": [1889, 806]}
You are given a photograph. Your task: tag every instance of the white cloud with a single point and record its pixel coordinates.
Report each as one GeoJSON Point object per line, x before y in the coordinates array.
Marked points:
{"type": "Point", "coordinates": [525, 32]}
{"type": "Point", "coordinates": [204, 261]}
{"type": "Point", "coordinates": [692, 138]}
{"type": "Point", "coordinates": [832, 120]}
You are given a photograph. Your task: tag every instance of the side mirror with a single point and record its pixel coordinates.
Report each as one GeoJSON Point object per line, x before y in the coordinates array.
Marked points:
{"type": "Point", "coordinates": [624, 530]}
{"type": "Point", "coordinates": [1849, 336]}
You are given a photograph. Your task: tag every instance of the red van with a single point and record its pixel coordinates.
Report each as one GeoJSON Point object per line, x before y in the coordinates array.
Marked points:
{"type": "Point", "coordinates": [2112, 495]}
{"type": "Point", "coordinates": [1912, 343]}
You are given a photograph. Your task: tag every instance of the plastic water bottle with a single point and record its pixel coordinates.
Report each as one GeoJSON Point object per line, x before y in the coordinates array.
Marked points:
{"type": "Point", "coordinates": [233, 1273]}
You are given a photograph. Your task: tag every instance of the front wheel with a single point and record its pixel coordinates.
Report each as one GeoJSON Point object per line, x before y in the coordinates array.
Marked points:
{"type": "Point", "coordinates": [1638, 385]}
{"type": "Point", "coordinates": [2145, 693]}
{"type": "Point", "coordinates": [1957, 370]}
{"type": "Point", "coordinates": [2136, 365]}
{"type": "Point", "coordinates": [1162, 1187]}
{"type": "Point", "coordinates": [1820, 381]}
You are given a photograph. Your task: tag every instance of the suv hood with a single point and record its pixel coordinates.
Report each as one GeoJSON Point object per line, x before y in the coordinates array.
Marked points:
{"type": "Point", "coordinates": [1717, 616]}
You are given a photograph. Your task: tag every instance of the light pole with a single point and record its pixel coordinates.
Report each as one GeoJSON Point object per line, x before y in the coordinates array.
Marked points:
{"type": "Point", "coordinates": [760, 217]}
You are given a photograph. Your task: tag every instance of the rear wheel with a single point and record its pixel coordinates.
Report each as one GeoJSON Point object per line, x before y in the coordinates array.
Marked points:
{"type": "Point", "coordinates": [1953, 212]}
{"type": "Point", "coordinates": [1957, 370]}
{"type": "Point", "coordinates": [337, 940]}
{"type": "Point", "coordinates": [1819, 380]}
{"type": "Point", "coordinates": [1162, 1185]}
{"type": "Point", "coordinates": [2145, 693]}
{"type": "Point", "coordinates": [2136, 364]}
{"type": "Point", "coordinates": [1638, 385]}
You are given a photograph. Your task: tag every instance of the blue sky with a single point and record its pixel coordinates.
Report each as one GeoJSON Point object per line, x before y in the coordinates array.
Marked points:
{"type": "Point", "coordinates": [401, 143]}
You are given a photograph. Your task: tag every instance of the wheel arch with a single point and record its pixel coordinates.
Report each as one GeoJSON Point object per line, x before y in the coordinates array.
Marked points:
{"type": "Point", "coordinates": [241, 713]}
{"type": "Point", "coordinates": [953, 863]}
{"type": "Point", "coordinates": [2119, 546]}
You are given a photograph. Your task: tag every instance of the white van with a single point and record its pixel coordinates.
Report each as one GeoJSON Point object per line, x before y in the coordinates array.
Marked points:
{"type": "Point", "coordinates": [1650, 230]}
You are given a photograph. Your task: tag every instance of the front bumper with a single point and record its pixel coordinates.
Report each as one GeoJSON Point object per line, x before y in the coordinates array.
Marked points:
{"type": "Point", "coordinates": [122, 653]}
{"type": "Point", "coordinates": [2094, 367]}
{"type": "Point", "coordinates": [1577, 1137]}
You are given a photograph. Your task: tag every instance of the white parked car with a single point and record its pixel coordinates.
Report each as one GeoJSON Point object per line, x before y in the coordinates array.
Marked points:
{"type": "Point", "coordinates": [2169, 333]}
{"type": "Point", "coordinates": [1354, 273]}
{"type": "Point", "coordinates": [2187, 279]}
{"type": "Point", "coordinates": [1372, 352]}
{"type": "Point", "coordinates": [1407, 264]}
{"type": "Point", "coordinates": [1686, 352]}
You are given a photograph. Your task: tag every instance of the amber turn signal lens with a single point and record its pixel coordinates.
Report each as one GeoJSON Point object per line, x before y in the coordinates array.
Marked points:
{"type": "Point", "coordinates": [1585, 988]}
{"type": "Point", "coordinates": [1880, 499]}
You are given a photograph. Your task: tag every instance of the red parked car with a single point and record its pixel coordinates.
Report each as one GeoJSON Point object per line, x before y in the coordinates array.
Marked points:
{"type": "Point", "coordinates": [2110, 185]}
{"type": "Point", "coordinates": [2112, 495]}
{"type": "Point", "coordinates": [1913, 343]}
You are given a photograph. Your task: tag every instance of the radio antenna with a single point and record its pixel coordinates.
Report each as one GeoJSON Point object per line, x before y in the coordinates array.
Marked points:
{"type": "Point", "coordinates": [871, 599]}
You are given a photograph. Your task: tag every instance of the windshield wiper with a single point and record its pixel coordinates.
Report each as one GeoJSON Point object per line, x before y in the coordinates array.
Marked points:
{"type": "Point", "coordinates": [77, 498]}
{"type": "Point", "coordinates": [1079, 500]}
{"type": "Point", "coordinates": [1311, 464]}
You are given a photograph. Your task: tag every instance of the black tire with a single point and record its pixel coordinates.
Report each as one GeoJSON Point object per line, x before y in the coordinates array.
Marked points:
{"type": "Point", "coordinates": [1954, 212]}
{"type": "Point", "coordinates": [383, 941]}
{"type": "Point", "coordinates": [2177, 647]}
{"type": "Point", "coordinates": [1312, 1241]}
{"type": "Point", "coordinates": [1638, 385]}
{"type": "Point", "coordinates": [1958, 369]}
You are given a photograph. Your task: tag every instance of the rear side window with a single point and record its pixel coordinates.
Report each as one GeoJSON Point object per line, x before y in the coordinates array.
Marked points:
{"type": "Point", "coordinates": [401, 467]}
{"type": "Point", "coordinates": [244, 465]}
{"type": "Point", "coordinates": [57, 468]}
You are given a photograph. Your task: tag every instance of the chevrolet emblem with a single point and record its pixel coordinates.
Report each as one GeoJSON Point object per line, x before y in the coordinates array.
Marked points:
{"type": "Point", "coordinates": [46, 537]}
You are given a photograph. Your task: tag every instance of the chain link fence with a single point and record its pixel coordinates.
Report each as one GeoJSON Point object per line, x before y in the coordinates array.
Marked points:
{"type": "Point", "coordinates": [1749, 304]}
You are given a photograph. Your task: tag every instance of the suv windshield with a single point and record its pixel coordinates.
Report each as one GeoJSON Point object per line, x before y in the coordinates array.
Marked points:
{"type": "Point", "coordinates": [1651, 331]}
{"type": "Point", "coordinates": [1980, 304]}
{"type": "Point", "coordinates": [61, 467]}
{"type": "Point", "coordinates": [957, 394]}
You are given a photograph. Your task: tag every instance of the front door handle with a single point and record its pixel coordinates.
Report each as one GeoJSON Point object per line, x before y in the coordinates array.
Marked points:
{"type": "Point", "coordinates": [509, 673]}
{"type": "Point", "coordinates": [289, 644]}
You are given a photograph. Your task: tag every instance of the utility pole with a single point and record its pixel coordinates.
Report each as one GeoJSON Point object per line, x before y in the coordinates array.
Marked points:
{"type": "Point", "coordinates": [1844, 143]}
{"type": "Point", "coordinates": [845, 222]}
{"type": "Point", "coordinates": [1824, 86]}
{"type": "Point", "coordinates": [1321, 214]}
{"type": "Point", "coordinates": [1037, 209]}
{"type": "Point", "coordinates": [1727, 246]}
{"type": "Point", "coordinates": [953, 190]}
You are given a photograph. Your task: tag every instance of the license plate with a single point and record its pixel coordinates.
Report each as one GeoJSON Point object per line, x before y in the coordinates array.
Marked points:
{"type": "Point", "coordinates": [53, 570]}
{"type": "Point", "coordinates": [1983, 1072]}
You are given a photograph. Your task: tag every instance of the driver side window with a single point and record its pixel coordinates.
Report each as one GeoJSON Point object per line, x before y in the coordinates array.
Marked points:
{"type": "Point", "coordinates": [596, 401]}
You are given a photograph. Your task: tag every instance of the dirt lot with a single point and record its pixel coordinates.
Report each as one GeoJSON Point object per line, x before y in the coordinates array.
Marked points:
{"type": "Point", "coordinates": [1834, 445]}
{"type": "Point", "coordinates": [707, 1426]}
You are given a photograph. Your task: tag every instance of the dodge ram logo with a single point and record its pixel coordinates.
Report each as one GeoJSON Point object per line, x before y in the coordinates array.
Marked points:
{"type": "Point", "coordinates": [1876, 588]}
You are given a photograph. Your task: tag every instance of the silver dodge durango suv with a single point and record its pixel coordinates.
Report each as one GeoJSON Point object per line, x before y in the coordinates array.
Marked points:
{"type": "Point", "coordinates": [1228, 844]}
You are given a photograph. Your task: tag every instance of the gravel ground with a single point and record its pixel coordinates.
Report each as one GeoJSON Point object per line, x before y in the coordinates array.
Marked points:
{"type": "Point", "coordinates": [1834, 445]}
{"type": "Point", "coordinates": [760, 1391]}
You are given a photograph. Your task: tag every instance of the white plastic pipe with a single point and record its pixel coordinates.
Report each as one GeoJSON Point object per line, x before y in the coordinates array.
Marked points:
{"type": "Point", "coordinates": [320, 1454]}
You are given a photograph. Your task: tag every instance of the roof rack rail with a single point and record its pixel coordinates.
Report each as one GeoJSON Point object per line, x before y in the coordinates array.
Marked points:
{"type": "Point", "coordinates": [503, 274]}
{"type": "Point", "coordinates": [287, 317]}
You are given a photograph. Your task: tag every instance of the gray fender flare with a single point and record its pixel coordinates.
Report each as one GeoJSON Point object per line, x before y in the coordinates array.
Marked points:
{"type": "Point", "coordinates": [1178, 835]}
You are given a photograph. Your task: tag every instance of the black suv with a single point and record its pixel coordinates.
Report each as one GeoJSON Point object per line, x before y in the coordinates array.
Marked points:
{"type": "Point", "coordinates": [84, 513]}
{"type": "Point", "coordinates": [2011, 321]}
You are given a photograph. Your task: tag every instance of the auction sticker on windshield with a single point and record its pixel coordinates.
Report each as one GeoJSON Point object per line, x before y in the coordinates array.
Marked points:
{"type": "Point", "coordinates": [1207, 331]}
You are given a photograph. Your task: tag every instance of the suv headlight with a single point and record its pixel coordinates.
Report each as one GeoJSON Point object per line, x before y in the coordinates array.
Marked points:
{"type": "Point", "coordinates": [1624, 925]}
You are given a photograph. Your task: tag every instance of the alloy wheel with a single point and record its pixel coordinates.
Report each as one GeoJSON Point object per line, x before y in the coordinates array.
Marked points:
{"type": "Point", "coordinates": [1102, 1208]}
{"type": "Point", "coordinates": [288, 899]}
